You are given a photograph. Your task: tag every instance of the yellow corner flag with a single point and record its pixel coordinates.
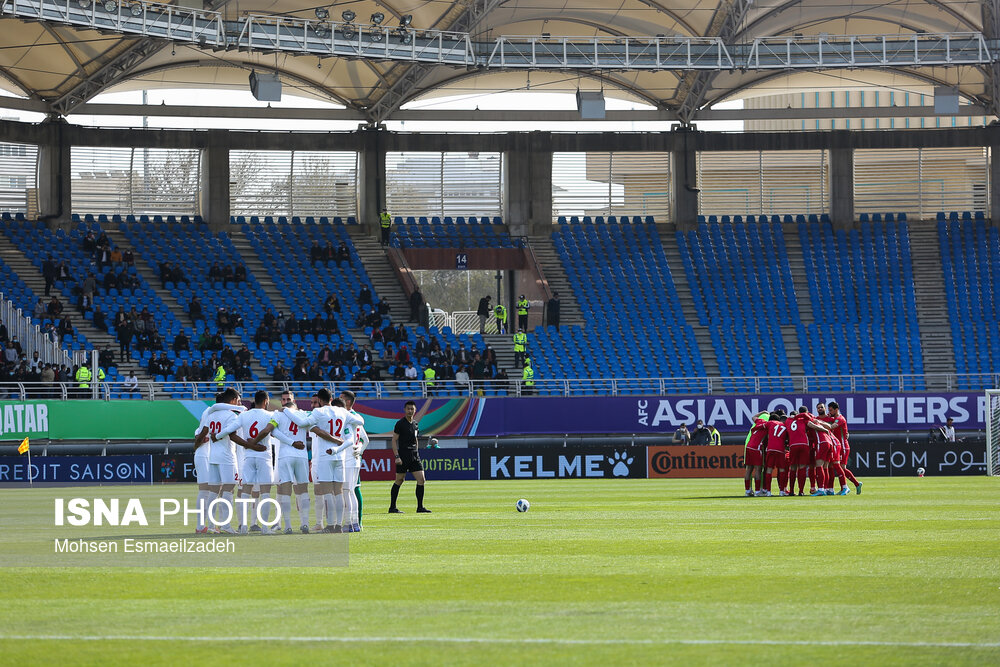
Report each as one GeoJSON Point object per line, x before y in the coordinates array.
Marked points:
{"type": "Point", "coordinates": [23, 446]}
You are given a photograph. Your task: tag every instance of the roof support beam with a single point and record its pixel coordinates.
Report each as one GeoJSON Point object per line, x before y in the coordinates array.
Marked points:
{"type": "Point", "coordinates": [401, 90]}
{"type": "Point", "coordinates": [111, 72]}
{"type": "Point", "coordinates": [726, 23]}
{"type": "Point", "coordinates": [991, 30]}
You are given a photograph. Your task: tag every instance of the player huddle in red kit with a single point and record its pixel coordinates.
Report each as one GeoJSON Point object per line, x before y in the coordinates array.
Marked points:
{"type": "Point", "coordinates": [799, 447]}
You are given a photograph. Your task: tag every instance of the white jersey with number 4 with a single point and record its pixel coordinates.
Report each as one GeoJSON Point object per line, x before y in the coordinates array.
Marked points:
{"type": "Point", "coordinates": [287, 432]}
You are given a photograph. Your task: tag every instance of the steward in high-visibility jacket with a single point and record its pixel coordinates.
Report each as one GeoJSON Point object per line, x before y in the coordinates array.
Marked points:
{"type": "Point", "coordinates": [429, 376]}
{"type": "Point", "coordinates": [522, 313]}
{"type": "Point", "coordinates": [385, 222]}
{"type": "Point", "coordinates": [520, 348]}
{"type": "Point", "coordinates": [83, 376]}
{"type": "Point", "coordinates": [501, 314]}
{"type": "Point", "coordinates": [528, 378]}
{"type": "Point", "coordinates": [220, 377]}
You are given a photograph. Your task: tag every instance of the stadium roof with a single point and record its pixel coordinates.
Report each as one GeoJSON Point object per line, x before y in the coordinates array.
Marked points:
{"type": "Point", "coordinates": [59, 67]}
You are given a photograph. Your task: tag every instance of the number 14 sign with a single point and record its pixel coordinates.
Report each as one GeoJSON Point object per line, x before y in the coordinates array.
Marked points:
{"type": "Point", "coordinates": [461, 261]}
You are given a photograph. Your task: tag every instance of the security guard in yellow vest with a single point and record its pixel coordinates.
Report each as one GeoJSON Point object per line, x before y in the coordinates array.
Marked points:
{"type": "Point", "coordinates": [385, 222]}
{"type": "Point", "coordinates": [83, 376]}
{"type": "Point", "coordinates": [429, 376]}
{"type": "Point", "coordinates": [501, 314]}
{"type": "Point", "coordinates": [528, 379]}
{"type": "Point", "coordinates": [520, 348]}
{"type": "Point", "coordinates": [220, 377]}
{"type": "Point", "coordinates": [522, 313]}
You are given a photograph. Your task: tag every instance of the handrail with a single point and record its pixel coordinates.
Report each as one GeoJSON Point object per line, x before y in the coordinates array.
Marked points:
{"type": "Point", "coordinates": [831, 385]}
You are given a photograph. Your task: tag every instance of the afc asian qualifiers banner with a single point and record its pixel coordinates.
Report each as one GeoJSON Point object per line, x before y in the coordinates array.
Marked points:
{"type": "Point", "coordinates": [705, 461]}
{"type": "Point", "coordinates": [563, 463]}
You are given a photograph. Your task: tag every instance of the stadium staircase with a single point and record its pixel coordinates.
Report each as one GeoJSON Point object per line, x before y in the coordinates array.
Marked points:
{"type": "Point", "coordinates": [555, 274]}
{"type": "Point", "coordinates": [668, 237]}
{"type": "Point", "coordinates": [928, 285]}
{"type": "Point", "coordinates": [797, 265]}
{"type": "Point", "coordinates": [32, 277]}
{"type": "Point", "coordinates": [382, 274]}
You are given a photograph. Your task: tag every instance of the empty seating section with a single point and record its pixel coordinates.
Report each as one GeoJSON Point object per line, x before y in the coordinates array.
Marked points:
{"type": "Point", "coordinates": [14, 289]}
{"type": "Point", "coordinates": [449, 232]}
{"type": "Point", "coordinates": [194, 248]}
{"type": "Point", "coordinates": [741, 284]}
{"type": "Point", "coordinates": [861, 293]}
{"type": "Point", "coordinates": [970, 259]}
{"type": "Point", "coordinates": [633, 322]}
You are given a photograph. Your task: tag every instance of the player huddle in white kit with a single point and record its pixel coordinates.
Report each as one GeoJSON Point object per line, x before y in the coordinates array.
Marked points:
{"type": "Point", "coordinates": [234, 445]}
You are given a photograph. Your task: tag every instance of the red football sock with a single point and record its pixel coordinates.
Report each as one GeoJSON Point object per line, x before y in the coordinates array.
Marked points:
{"type": "Point", "coordinates": [840, 476]}
{"type": "Point", "coordinates": [746, 483]}
{"type": "Point", "coordinates": [802, 479]}
{"type": "Point", "coordinates": [767, 481]}
{"type": "Point", "coordinates": [821, 477]}
{"type": "Point", "coordinates": [850, 476]}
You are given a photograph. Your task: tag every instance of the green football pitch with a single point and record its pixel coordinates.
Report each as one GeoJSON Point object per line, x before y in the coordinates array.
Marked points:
{"type": "Point", "coordinates": [601, 572]}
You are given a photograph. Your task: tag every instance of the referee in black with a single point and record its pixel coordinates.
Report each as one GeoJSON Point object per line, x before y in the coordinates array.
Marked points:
{"type": "Point", "coordinates": [404, 448]}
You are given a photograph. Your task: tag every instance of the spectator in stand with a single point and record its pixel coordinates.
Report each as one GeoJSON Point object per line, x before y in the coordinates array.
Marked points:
{"type": "Point", "coordinates": [330, 325]}
{"type": "Point", "coordinates": [215, 272]}
{"type": "Point", "coordinates": [315, 253]}
{"type": "Point", "coordinates": [416, 305]}
{"type": "Point", "coordinates": [682, 436]}
{"type": "Point", "coordinates": [222, 320]}
{"type": "Point", "coordinates": [478, 368]}
{"type": "Point", "coordinates": [462, 376]}
{"type": "Point", "coordinates": [365, 356]}
{"type": "Point", "coordinates": [228, 358]}
{"type": "Point", "coordinates": [48, 375]}
{"type": "Point", "coordinates": [63, 273]}
{"type": "Point", "coordinates": [106, 358]}
{"type": "Point", "coordinates": [124, 334]}
{"type": "Point", "coordinates": [365, 296]}
{"type": "Point", "coordinates": [332, 304]}
{"type": "Point", "coordinates": [483, 311]}
{"type": "Point", "coordinates": [65, 326]}
{"type": "Point", "coordinates": [131, 382]}
{"type": "Point", "coordinates": [421, 348]}
{"type": "Point", "coordinates": [49, 273]}
{"type": "Point", "coordinates": [410, 373]}
{"type": "Point", "coordinates": [301, 371]}
{"type": "Point", "coordinates": [337, 374]}
{"type": "Point", "coordinates": [87, 293]}
{"type": "Point", "coordinates": [280, 374]}
{"type": "Point", "coordinates": [116, 256]}
{"type": "Point", "coordinates": [343, 254]}
{"type": "Point", "coordinates": [55, 307]}
{"type": "Point", "coordinates": [128, 258]}
{"type": "Point", "coordinates": [240, 273]}
{"type": "Point", "coordinates": [328, 253]}
{"type": "Point", "coordinates": [183, 372]}
{"type": "Point", "coordinates": [490, 359]}
{"type": "Point", "coordinates": [10, 354]}
{"type": "Point", "coordinates": [194, 310]}
{"type": "Point", "coordinates": [244, 373]}
{"type": "Point", "coordinates": [243, 355]}
{"type": "Point", "coordinates": [382, 308]}
{"type": "Point", "coordinates": [204, 341]}
{"type": "Point", "coordinates": [39, 312]}
{"type": "Point", "coordinates": [99, 322]}
{"type": "Point", "coordinates": [325, 356]}
{"type": "Point", "coordinates": [103, 257]}
{"type": "Point", "coordinates": [227, 275]}
{"type": "Point", "coordinates": [89, 242]}
{"type": "Point", "coordinates": [181, 342]}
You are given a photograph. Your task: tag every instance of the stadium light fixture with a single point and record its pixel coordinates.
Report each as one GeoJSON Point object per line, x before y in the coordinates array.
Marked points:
{"type": "Point", "coordinates": [110, 6]}
{"type": "Point", "coordinates": [348, 31]}
{"type": "Point", "coordinates": [405, 20]}
{"type": "Point", "coordinates": [135, 9]}
{"type": "Point", "coordinates": [84, 4]}
{"type": "Point", "coordinates": [405, 36]}
{"type": "Point", "coordinates": [377, 18]}
{"type": "Point", "coordinates": [375, 34]}
{"type": "Point", "coordinates": [321, 29]}
{"type": "Point", "coordinates": [322, 13]}
{"type": "Point", "coordinates": [348, 16]}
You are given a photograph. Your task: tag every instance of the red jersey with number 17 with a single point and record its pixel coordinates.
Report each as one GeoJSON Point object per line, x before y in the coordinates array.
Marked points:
{"type": "Point", "coordinates": [777, 434]}
{"type": "Point", "coordinates": [797, 429]}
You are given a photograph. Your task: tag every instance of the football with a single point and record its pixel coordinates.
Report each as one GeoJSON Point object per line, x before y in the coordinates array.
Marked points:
{"type": "Point", "coordinates": [920, 472]}
{"type": "Point", "coordinates": [523, 505]}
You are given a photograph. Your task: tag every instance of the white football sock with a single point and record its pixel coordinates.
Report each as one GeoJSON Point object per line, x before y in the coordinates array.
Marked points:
{"type": "Point", "coordinates": [304, 508]}
{"type": "Point", "coordinates": [265, 511]}
{"type": "Point", "coordinates": [348, 496]}
{"type": "Point", "coordinates": [203, 500]}
{"type": "Point", "coordinates": [285, 502]}
{"type": "Point", "coordinates": [320, 509]}
{"type": "Point", "coordinates": [338, 503]}
{"type": "Point", "coordinates": [244, 510]}
{"type": "Point", "coordinates": [228, 497]}
{"type": "Point", "coordinates": [331, 511]}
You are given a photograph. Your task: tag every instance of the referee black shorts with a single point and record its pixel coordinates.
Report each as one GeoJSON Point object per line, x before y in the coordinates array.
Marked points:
{"type": "Point", "coordinates": [408, 462]}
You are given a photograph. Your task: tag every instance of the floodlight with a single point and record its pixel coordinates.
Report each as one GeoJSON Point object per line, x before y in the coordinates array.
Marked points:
{"type": "Point", "coordinates": [377, 18]}
{"type": "Point", "coordinates": [348, 15]}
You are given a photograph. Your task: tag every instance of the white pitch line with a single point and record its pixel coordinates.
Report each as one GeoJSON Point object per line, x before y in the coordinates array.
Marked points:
{"type": "Point", "coordinates": [489, 640]}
